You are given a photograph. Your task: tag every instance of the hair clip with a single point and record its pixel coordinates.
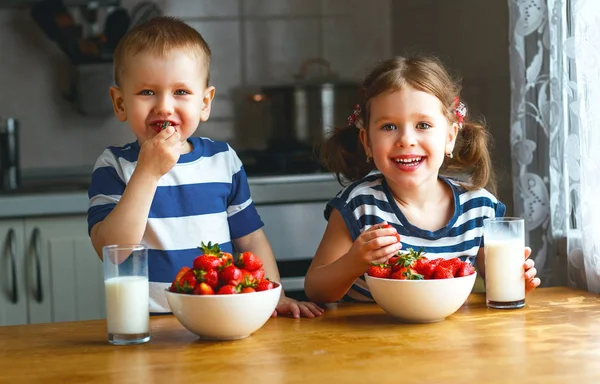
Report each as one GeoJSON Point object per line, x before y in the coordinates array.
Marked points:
{"type": "Point", "coordinates": [355, 116]}
{"type": "Point", "coordinates": [460, 111]}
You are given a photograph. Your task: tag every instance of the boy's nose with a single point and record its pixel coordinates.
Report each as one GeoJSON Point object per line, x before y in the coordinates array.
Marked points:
{"type": "Point", "coordinates": [164, 106]}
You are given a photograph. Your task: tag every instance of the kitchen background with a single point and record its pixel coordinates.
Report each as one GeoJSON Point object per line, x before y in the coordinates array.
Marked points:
{"type": "Point", "coordinates": [257, 42]}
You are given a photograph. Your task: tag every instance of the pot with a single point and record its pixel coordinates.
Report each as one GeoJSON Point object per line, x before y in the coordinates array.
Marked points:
{"type": "Point", "coordinates": [303, 112]}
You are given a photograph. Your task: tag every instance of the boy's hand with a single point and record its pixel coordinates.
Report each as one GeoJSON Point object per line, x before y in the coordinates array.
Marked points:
{"type": "Point", "coordinates": [293, 308]}
{"type": "Point", "coordinates": [531, 282]}
{"type": "Point", "coordinates": [159, 154]}
{"type": "Point", "coordinates": [376, 245]}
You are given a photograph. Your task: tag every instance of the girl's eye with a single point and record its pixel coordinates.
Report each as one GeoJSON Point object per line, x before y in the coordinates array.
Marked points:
{"type": "Point", "coordinates": [146, 92]}
{"type": "Point", "coordinates": [181, 92]}
{"type": "Point", "coordinates": [423, 125]}
{"type": "Point", "coordinates": [388, 127]}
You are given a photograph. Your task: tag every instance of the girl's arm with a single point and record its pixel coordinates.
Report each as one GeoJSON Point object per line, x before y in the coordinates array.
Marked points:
{"type": "Point", "coordinates": [334, 267]}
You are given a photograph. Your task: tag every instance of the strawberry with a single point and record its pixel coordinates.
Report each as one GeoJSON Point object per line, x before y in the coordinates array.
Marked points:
{"type": "Point", "coordinates": [465, 270]}
{"type": "Point", "coordinates": [379, 270]}
{"type": "Point", "coordinates": [188, 281]}
{"type": "Point", "coordinates": [203, 289]}
{"type": "Point", "coordinates": [392, 260]}
{"type": "Point", "coordinates": [228, 289]}
{"type": "Point", "coordinates": [405, 273]}
{"type": "Point", "coordinates": [452, 264]}
{"type": "Point", "coordinates": [210, 277]}
{"type": "Point", "coordinates": [206, 262]}
{"type": "Point", "coordinates": [441, 272]}
{"type": "Point", "coordinates": [248, 290]}
{"type": "Point", "coordinates": [230, 275]}
{"type": "Point", "coordinates": [175, 285]}
{"type": "Point", "coordinates": [226, 258]}
{"type": "Point", "coordinates": [249, 261]}
{"type": "Point", "coordinates": [264, 285]}
{"type": "Point", "coordinates": [258, 274]}
{"type": "Point", "coordinates": [390, 226]}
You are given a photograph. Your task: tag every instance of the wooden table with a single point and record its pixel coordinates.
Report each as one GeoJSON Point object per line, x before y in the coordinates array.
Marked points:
{"type": "Point", "coordinates": [554, 339]}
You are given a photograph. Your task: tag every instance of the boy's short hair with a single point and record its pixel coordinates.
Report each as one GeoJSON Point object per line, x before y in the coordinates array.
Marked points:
{"type": "Point", "coordinates": [160, 36]}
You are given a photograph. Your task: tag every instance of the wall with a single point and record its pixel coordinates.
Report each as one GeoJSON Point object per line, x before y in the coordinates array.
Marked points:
{"type": "Point", "coordinates": [471, 37]}
{"type": "Point", "coordinates": [253, 41]}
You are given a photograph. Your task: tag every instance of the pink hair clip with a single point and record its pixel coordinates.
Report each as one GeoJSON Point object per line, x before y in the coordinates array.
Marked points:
{"type": "Point", "coordinates": [353, 118]}
{"type": "Point", "coordinates": [460, 110]}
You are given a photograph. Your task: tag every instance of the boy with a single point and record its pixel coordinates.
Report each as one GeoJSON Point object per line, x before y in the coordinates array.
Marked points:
{"type": "Point", "coordinates": [169, 190]}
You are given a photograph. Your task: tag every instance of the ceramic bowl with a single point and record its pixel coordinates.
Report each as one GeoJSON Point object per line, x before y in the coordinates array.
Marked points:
{"type": "Point", "coordinates": [421, 301]}
{"type": "Point", "coordinates": [224, 317]}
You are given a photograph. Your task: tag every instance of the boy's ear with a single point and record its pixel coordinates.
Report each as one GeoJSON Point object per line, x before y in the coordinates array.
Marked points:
{"type": "Point", "coordinates": [207, 99]}
{"type": "Point", "coordinates": [118, 103]}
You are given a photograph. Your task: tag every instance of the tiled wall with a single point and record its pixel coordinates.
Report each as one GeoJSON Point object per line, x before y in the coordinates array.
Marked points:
{"type": "Point", "coordinates": [254, 42]}
{"type": "Point", "coordinates": [471, 36]}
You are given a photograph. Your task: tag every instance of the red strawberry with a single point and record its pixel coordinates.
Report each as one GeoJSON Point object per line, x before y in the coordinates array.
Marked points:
{"type": "Point", "coordinates": [465, 270]}
{"type": "Point", "coordinates": [206, 262]}
{"type": "Point", "coordinates": [453, 264]}
{"type": "Point", "coordinates": [390, 226]}
{"type": "Point", "coordinates": [249, 261]}
{"type": "Point", "coordinates": [442, 273]}
{"type": "Point", "coordinates": [421, 265]}
{"type": "Point", "coordinates": [392, 260]}
{"type": "Point", "coordinates": [405, 273]}
{"type": "Point", "coordinates": [175, 285]}
{"type": "Point", "coordinates": [225, 258]}
{"type": "Point", "coordinates": [248, 290]}
{"type": "Point", "coordinates": [264, 285]}
{"type": "Point", "coordinates": [203, 289]}
{"type": "Point", "coordinates": [188, 282]}
{"type": "Point", "coordinates": [210, 277]}
{"type": "Point", "coordinates": [379, 270]}
{"type": "Point", "coordinates": [230, 275]}
{"type": "Point", "coordinates": [258, 274]}
{"type": "Point", "coordinates": [228, 290]}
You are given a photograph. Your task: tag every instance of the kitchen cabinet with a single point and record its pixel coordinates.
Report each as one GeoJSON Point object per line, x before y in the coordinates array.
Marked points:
{"type": "Point", "coordinates": [49, 271]}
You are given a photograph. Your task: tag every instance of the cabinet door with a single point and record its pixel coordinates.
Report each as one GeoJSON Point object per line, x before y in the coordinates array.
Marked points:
{"type": "Point", "coordinates": [71, 273]}
{"type": "Point", "coordinates": [13, 301]}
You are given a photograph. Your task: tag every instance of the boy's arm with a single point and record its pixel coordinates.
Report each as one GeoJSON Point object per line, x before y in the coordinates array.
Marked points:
{"type": "Point", "coordinates": [127, 221]}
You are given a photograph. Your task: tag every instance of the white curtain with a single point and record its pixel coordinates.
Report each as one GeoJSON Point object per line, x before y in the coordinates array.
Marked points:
{"type": "Point", "coordinates": [555, 134]}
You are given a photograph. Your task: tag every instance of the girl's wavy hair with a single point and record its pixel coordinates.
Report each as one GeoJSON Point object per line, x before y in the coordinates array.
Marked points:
{"type": "Point", "coordinates": [343, 154]}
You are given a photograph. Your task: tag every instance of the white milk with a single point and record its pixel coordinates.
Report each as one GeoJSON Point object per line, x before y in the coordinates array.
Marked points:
{"type": "Point", "coordinates": [127, 305]}
{"type": "Point", "coordinates": [504, 272]}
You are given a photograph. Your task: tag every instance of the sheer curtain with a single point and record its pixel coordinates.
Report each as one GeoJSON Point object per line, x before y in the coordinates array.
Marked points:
{"type": "Point", "coordinates": [555, 134]}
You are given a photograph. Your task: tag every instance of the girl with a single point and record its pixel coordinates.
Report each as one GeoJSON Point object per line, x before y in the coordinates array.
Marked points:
{"type": "Point", "coordinates": [411, 127]}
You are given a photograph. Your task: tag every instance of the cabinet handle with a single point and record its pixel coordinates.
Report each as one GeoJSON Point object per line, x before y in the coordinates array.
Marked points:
{"type": "Point", "coordinates": [38, 268]}
{"type": "Point", "coordinates": [12, 245]}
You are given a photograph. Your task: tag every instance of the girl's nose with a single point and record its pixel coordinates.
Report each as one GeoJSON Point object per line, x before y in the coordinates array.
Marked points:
{"type": "Point", "coordinates": [406, 136]}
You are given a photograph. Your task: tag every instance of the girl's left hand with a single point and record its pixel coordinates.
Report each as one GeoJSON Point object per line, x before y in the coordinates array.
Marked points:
{"type": "Point", "coordinates": [531, 282]}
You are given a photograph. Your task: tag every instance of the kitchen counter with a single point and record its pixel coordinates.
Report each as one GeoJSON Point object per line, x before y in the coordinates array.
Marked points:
{"type": "Point", "coordinates": [70, 196]}
{"type": "Point", "coordinates": [554, 339]}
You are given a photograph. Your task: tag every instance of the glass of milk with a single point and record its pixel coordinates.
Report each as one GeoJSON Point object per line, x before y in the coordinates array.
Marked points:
{"type": "Point", "coordinates": [127, 293]}
{"type": "Point", "coordinates": [504, 246]}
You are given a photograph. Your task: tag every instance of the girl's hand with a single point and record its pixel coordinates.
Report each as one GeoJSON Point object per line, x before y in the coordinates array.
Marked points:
{"type": "Point", "coordinates": [159, 154]}
{"type": "Point", "coordinates": [293, 308]}
{"type": "Point", "coordinates": [376, 245]}
{"type": "Point", "coordinates": [531, 282]}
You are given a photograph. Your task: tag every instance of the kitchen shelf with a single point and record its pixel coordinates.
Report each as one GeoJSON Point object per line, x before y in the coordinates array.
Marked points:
{"type": "Point", "coordinates": [67, 3]}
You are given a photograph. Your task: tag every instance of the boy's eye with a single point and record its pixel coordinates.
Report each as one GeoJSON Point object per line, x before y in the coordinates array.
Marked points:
{"type": "Point", "coordinates": [388, 127]}
{"type": "Point", "coordinates": [181, 92]}
{"type": "Point", "coordinates": [423, 125]}
{"type": "Point", "coordinates": [146, 92]}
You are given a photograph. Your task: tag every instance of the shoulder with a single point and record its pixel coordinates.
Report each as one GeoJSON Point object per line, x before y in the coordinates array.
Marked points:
{"type": "Point", "coordinates": [370, 185]}
{"type": "Point", "coordinates": [114, 154]}
{"type": "Point", "coordinates": [212, 147]}
{"type": "Point", "coordinates": [476, 198]}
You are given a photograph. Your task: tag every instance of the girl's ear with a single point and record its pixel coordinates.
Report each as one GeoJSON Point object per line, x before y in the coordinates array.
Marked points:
{"type": "Point", "coordinates": [451, 139]}
{"type": "Point", "coordinates": [207, 99]}
{"type": "Point", "coordinates": [118, 103]}
{"type": "Point", "coordinates": [364, 139]}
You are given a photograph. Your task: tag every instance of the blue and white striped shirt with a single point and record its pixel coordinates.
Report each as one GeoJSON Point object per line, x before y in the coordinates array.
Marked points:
{"type": "Point", "coordinates": [369, 201]}
{"type": "Point", "coordinates": [204, 197]}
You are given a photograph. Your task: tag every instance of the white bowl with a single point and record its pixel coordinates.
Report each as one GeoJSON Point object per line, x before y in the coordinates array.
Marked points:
{"type": "Point", "coordinates": [224, 317]}
{"type": "Point", "coordinates": [421, 301]}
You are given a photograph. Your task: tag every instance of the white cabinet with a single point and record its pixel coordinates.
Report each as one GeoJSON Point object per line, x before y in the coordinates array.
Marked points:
{"type": "Point", "coordinates": [58, 275]}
